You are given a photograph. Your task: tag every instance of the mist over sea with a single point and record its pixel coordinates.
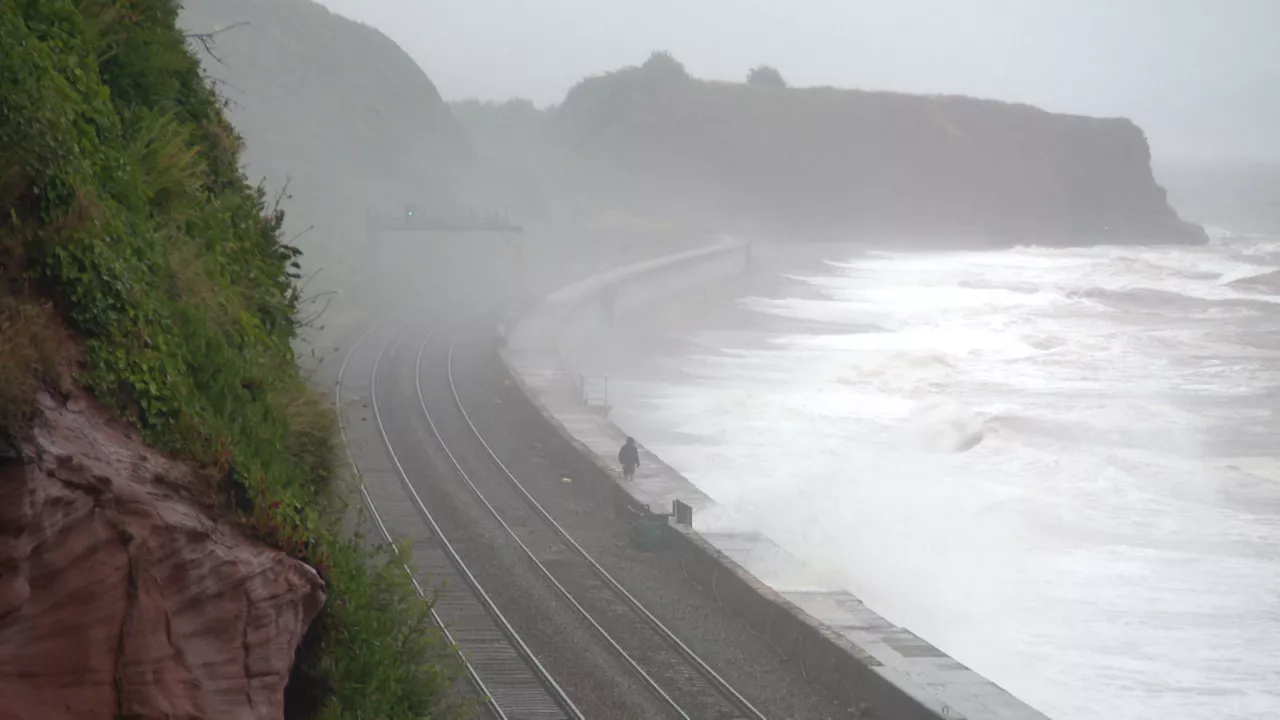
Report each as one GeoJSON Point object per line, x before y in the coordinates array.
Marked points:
{"type": "Point", "coordinates": [1058, 465]}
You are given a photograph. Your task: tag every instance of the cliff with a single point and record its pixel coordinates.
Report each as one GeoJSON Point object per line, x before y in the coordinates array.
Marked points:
{"type": "Point", "coordinates": [879, 166]}
{"type": "Point", "coordinates": [343, 114]}
{"type": "Point", "coordinates": [171, 506]}
{"type": "Point", "coordinates": [123, 596]}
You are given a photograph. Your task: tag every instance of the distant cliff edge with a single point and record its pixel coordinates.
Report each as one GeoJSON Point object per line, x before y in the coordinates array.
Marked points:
{"type": "Point", "coordinates": [344, 114]}
{"type": "Point", "coordinates": [823, 162]}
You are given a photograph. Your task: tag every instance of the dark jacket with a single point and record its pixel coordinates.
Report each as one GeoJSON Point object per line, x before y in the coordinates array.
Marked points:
{"type": "Point", "coordinates": [629, 456]}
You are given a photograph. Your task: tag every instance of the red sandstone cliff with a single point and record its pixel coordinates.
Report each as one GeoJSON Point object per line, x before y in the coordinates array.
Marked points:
{"type": "Point", "coordinates": [122, 596]}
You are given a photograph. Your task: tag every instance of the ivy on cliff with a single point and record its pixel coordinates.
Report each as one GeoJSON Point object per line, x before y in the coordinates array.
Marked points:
{"type": "Point", "coordinates": [122, 204]}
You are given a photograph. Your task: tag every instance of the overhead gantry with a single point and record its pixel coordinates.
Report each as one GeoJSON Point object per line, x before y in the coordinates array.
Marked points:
{"type": "Point", "coordinates": [412, 221]}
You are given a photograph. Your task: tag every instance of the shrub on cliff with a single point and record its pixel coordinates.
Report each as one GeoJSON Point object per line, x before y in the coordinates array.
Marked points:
{"type": "Point", "coordinates": [765, 76]}
{"type": "Point", "coordinates": [124, 218]}
{"type": "Point", "coordinates": [663, 67]}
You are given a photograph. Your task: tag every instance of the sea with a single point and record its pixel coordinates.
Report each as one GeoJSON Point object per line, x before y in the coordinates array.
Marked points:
{"type": "Point", "coordinates": [1059, 466]}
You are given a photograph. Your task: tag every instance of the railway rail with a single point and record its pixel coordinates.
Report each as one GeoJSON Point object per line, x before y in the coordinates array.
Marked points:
{"type": "Point", "coordinates": [500, 663]}
{"type": "Point", "coordinates": [510, 680]}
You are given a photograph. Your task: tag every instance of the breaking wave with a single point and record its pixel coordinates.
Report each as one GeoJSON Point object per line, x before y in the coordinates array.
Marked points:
{"type": "Point", "coordinates": [1053, 464]}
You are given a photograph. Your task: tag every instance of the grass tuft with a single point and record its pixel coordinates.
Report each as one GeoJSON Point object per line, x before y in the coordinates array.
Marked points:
{"type": "Point", "coordinates": [29, 359]}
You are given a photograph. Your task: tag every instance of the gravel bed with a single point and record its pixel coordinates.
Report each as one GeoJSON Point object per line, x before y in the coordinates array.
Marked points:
{"type": "Point", "coordinates": [541, 459]}
{"type": "Point", "coordinates": [669, 669]}
{"type": "Point", "coordinates": [599, 683]}
{"type": "Point", "coordinates": [596, 679]}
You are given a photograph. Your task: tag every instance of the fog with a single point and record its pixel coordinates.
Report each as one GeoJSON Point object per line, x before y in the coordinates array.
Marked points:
{"type": "Point", "coordinates": [981, 445]}
{"type": "Point", "coordinates": [1194, 76]}
{"type": "Point", "coordinates": [1199, 76]}
{"type": "Point", "coordinates": [976, 439]}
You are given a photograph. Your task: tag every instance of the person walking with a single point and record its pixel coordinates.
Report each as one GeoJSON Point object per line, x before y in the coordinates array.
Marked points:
{"type": "Point", "coordinates": [629, 457]}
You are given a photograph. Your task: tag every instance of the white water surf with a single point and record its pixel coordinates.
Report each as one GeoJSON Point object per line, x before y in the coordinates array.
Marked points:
{"type": "Point", "coordinates": [1058, 466]}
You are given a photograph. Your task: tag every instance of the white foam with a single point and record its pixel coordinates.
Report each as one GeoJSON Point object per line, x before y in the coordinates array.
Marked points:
{"type": "Point", "coordinates": [1022, 476]}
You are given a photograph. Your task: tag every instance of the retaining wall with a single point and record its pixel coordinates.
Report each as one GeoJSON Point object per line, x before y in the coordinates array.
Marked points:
{"type": "Point", "coordinates": [858, 656]}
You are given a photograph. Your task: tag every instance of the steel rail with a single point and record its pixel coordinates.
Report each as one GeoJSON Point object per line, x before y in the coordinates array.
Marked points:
{"type": "Point", "coordinates": [739, 704]}
{"type": "Point", "coordinates": [517, 685]}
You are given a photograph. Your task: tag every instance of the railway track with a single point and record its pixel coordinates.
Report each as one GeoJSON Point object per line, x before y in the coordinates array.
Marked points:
{"type": "Point", "coordinates": [500, 663]}
{"type": "Point", "coordinates": [510, 680]}
{"type": "Point", "coordinates": [673, 672]}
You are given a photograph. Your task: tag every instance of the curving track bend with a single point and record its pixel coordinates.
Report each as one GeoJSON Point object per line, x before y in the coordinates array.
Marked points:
{"type": "Point", "coordinates": [501, 667]}
{"type": "Point", "coordinates": [546, 631]}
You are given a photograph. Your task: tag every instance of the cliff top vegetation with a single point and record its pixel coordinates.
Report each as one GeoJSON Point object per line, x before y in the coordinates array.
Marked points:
{"type": "Point", "coordinates": [138, 261]}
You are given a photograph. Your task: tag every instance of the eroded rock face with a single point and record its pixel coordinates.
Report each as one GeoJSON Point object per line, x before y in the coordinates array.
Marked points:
{"type": "Point", "coordinates": [121, 596]}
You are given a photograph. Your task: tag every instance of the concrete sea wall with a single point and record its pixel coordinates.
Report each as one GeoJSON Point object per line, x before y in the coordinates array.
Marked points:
{"type": "Point", "coordinates": [858, 656]}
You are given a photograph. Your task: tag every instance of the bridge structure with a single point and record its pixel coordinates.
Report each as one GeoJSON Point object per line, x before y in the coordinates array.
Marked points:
{"type": "Point", "coordinates": [377, 226]}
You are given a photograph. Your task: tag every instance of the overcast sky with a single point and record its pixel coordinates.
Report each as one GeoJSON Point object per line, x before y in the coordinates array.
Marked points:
{"type": "Point", "coordinates": [1201, 76]}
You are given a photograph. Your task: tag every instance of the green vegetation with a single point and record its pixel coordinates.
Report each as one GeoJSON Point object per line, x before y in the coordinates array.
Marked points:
{"type": "Point", "coordinates": [663, 67]}
{"type": "Point", "coordinates": [28, 358]}
{"type": "Point", "coordinates": [765, 76]}
{"type": "Point", "coordinates": [128, 229]}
